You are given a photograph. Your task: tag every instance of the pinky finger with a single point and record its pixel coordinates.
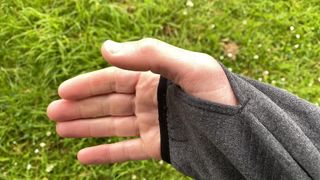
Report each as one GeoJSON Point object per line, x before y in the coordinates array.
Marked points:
{"type": "Point", "coordinates": [112, 153]}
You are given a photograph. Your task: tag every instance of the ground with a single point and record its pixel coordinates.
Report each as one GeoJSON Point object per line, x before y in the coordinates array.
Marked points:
{"type": "Point", "coordinates": [43, 43]}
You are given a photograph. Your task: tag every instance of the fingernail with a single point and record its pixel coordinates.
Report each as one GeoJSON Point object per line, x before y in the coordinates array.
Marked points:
{"type": "Point", "coordinates": [112, 47]}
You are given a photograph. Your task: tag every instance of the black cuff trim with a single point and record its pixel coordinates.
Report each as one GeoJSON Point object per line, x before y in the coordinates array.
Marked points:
{"type": "Point", "coordinates": [162, 109]}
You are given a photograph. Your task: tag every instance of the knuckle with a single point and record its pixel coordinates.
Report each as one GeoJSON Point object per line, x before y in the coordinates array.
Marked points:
{"type": "Point", "coordinates": [206, 57]}
{"type": "Point", "coordinates": [208, 61]}
{"type": "Point", "coordinates": [204, 64]}
{"type": "Point", "coordinates": [147, 44]}
{"type": "Point", "coordinates": [112, 69]}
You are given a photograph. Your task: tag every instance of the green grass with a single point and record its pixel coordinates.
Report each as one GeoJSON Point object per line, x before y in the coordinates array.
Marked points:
{"type": "Point", "coordinates": [43, 43]}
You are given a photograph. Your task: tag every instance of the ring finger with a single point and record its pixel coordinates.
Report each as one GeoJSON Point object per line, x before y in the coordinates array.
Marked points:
{"type": "Point", "coordinates": [99, 127]}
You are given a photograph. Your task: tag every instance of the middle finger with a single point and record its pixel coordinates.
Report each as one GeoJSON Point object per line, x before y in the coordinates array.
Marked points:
{"type": "Point", "coordinates": [98, 106]}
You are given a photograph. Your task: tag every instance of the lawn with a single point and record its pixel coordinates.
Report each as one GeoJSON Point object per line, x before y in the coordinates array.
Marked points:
{"type": "Point", "coordinates": [44, 42]}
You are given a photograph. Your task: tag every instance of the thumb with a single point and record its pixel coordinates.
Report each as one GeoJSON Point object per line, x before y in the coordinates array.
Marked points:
{"type": "Point", "coordinates": [154, 55]}
{"type": "Point", "coordinates": [197, 73]}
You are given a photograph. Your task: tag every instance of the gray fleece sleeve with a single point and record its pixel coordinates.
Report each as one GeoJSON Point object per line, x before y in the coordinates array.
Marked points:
{"type": "Point", "coordinates": [272, 134]}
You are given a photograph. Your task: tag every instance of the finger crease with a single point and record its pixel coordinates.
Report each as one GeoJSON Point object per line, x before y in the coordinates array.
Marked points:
{"type": "Point", "coordinates": [126, 151]}
{"type": "Point", "coordinates": [103, 108]}
{"type": "Point", "coordinates": [133, 105]}
{"type": "Point", "coordinates": [90, 130]}
{"type": "Point", "coordinates": [114, 81]}
{"type": "Point", "coordinates": [113, 126]}
{"type": "Point", "coordinates": [80, 111]}
{"type": "Point", "coordinates": [91, 86]}
{"type": "Point", "coordinates": [108, 157]}
{"type": "Point", "coordinates": [136, 126]}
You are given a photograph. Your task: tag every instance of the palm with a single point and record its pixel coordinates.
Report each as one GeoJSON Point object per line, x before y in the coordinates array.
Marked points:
{"type": "Point", "coordinates": [146, 111]}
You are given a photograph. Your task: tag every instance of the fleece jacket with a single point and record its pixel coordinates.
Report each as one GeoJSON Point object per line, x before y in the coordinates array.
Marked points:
{"type": "Point", "coordinates": [271, 134]}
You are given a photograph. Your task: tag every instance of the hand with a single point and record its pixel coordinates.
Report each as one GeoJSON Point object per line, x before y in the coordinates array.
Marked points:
{"type": "Point", "coordinates": [118, 102]}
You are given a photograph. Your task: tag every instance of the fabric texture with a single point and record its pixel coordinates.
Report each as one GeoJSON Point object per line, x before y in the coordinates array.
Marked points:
{"type": "Point", "coordinates": [271, 134]}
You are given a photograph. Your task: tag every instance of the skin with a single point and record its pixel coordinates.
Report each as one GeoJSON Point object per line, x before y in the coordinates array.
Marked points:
{"type": "Point", "coordinates": [122, 100]}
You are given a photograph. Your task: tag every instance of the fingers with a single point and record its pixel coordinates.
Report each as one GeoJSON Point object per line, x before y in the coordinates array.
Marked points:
{"type": "Point", "coordinates": [151, 54]}
{"type": "Point", "coordinates": [112, 104]}
{"type": "Point", "coordinates": [99, 82]}
{"type": "Point", "coordinates": [100, 127]}
{"type": "Point", "coordinates": [111, 153]}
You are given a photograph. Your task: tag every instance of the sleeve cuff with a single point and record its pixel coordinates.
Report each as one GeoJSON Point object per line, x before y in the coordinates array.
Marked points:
{"type": "Point", "coordinates": [162, 110]}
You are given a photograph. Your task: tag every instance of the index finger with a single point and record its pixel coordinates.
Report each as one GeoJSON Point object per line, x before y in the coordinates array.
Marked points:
{"type": "Point", "coordinates": [99, 82]}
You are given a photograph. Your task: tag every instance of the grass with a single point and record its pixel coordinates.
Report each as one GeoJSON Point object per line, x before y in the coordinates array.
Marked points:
{"type": "Point", "coordinates": [43, 43]}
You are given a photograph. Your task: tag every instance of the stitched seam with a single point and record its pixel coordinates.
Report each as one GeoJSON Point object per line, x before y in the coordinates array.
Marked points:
{"type": "Point", "coordinates": [212, 107]}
